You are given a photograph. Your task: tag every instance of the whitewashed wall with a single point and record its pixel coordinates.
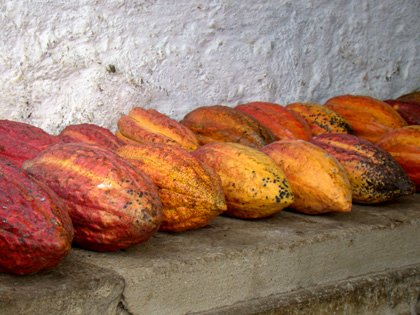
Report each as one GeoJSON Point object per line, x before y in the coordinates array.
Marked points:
{"type": "Point", "coordinates": [65, 62]}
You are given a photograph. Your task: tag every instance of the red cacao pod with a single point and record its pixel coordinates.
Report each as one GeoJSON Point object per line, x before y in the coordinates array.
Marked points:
{"type": "Point", "coordinates": [112, 205]}
{"type": "Point", "coordinates": [410, 97]}
{"type": "Point", "coordinates": [35, 234]}
{"type": "Point", "coordinates": [404, 145]}
{"type": "Point", "coordinates": [90, 134]}
{"type": "Point", "coordinates": [369, 118]}
{"type": "Point", "coordinates": [20, 142]}
{"type": "Point", "coordinates": [283, 123]}
{"type": "Point", "coordinates": [410, 111]}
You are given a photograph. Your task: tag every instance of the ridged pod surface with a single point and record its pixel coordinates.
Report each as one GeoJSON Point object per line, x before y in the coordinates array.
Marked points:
{"type": "Point", "coordinates": [190, 191]}
{"type": "Point", "coordinates": [319, 182]}
{"type": "Point", "coordinates": [320, 118]}
{"type": "Point", "coordinates": [410, 111]}
{"type": "Point", "coordinates": [254, 186]}
{"type": "Point", "coordinates": [283, 123]}
{"type": "Point", "coordinates": [20, 142]}
{"type": "Point", "coordinates": [374, 175]}
{"type": "Point", "coordinates": [112, 205]}
{"type": "Point", "coordinates": [404, 146]}
{"type": "Point", "coordinates": [220, 123]}
{"type": "Point", "coordinates": [368, 117]}
{"type": "Point", "coordinates": [90, 134]}
{"type": "Point", "coordinates": [35, 234]}
{"type": "Point", "coordinates": [148, 125]}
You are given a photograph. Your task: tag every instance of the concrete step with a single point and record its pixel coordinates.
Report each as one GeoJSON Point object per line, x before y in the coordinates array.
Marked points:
{"type": "Point", "coordinates": [74, 287]}
{"type": "Point", "coordinates": [393, 292]}
{"type": "Point", "coordinates": [247, 267]}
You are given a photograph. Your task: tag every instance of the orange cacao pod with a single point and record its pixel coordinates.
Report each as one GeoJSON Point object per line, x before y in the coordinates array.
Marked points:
{"type": "Point", "coordinates": [112, 205]}
{"type": "Point", "coordinates": [404, 145]}
{"type": "Point", "coordinates": [374, 175]}
{"type": "Point", "coordinates": [190, 191]}
{"type": "Point", "coordinates": [147, 125]}
{"type": "Point", "coordinates": [20, 142]}
{"type": "Point", "coordinates": [34, 233]}
{"type": "Point", "coordinates": [283, 123]}
{"type": "Point", "coordinates": [320, 119]}
{"type": "Point", "coordinates": [319, 182]}
{"type": "Point", "coordinates": [220, 123]}
{"type": "Point", "coordinates": [253, 184]}
{"type": "Point", "coordinates": [368, 117]}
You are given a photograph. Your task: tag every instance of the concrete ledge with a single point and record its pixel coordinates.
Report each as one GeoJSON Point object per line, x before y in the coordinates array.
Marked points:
{"type": "Point", "coordinates": [234, 261]}
{"type": "Point", "coordinates": [74, 287]}
{"type": "Point", "coordinates": [391, 292]}
{"type": "Point", "coordinates": [290, 263]}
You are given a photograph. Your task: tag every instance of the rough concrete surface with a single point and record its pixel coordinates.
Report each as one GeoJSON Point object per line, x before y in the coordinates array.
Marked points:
{"type": "Point", "coordinates": [394, 292]}
{"type": "Point", "coordinates": [233, 261]}
{"type": "Point", "coordinates": [64, 62]}
{"type": "Point", "coordinates": [73, 288]}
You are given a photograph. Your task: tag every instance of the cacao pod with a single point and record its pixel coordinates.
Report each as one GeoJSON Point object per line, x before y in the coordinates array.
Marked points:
{"type": "Point", "coordinates": [147, 125]}
{"type": "Point", "coordinates": [368, 117]}
{"type": "Point", "coordinates": [90, 134]}
{"type": "Point", "coordinates": [374, 175]}
{"type": "Point", "coordinates": [283, 123]}
{"type": "Point", "coordinates": [112, 205]}
{"type": "Point", "coordinates": [320, 119]}
{"type": "Point", "coordinates": [411, 97]}
{"type": "Point", "coordinates": [410, 111]}
{"type": "Point", "coordinates": [319, 182]}
{"type": "Point", "coordinates": [190, 191]}
{"type": "Point", "coordinates": [20, 142]}
{"type": "Point", "coordinates": [220, 123]}
{"type": "Point", "coordinates": [35, 234]}
{"type": "Point", "coordinates": [253, 184]}
{"type": "Point", "coordinates": [404, 145]}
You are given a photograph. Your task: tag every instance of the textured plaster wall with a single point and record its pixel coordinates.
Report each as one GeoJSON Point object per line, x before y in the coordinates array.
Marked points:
{"type": "Point", "coordinates": [65, 62]}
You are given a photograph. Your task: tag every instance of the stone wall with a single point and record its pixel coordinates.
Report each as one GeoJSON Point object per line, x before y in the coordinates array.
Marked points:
{"type": "Point", "coordinates": [65, 62]}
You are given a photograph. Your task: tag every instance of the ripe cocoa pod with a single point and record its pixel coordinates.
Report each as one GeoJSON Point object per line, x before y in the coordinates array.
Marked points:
{"type": "Point", "coordinates": [411, 97]}
{"type": "Point", "coordinates": [374, 175]}
{"type": "Point", "coordinates": [404, 145]}
{"type": "Point", "coordinates": [112, 205]}
{"type": "Point", "coordinates": [253, 184]}
{"type": "Point", "coordinates": [320, 119]}
{"type": "Point", "coordinates": [318, 181]}
{"type": "Point", "coordinates": [220, 123]}
{"type": "Point", "coordinates": [368, 117]}
{"type": "Point", "coordinates": [147, 125]}
{"type": "Point", "coordinates": [90, 134]}
{"type": "Point", "coordinates": [20, 142]}
{"type": "Point", "coordinates": [410, 111]}
{"type": "Point", "coordinates": [190, 191]}
{"type": "Point", "coordinates": [283, 124]}
{"type": "Point", "coordinates": [35, 234]}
